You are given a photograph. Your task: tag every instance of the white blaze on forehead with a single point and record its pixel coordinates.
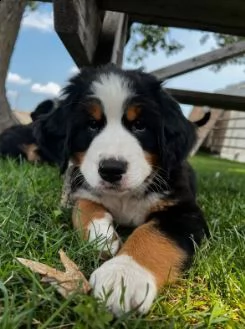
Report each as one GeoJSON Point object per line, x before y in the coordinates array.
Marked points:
{"type": "Point", "coordinates": [112, 90]}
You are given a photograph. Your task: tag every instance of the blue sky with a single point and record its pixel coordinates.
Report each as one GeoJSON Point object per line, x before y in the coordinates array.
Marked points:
{"type": "Point", "coordinates": [40, 65]}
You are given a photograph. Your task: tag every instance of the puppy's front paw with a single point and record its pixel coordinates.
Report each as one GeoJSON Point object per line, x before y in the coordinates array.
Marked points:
{"type": "Point", "coordinates": [107, 240]}
{"type": "Point", "coordinates": [124, 284]}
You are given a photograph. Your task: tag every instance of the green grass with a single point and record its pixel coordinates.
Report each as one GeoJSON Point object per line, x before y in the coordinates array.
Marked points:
{"type": "Point", "coordinates": [32, 226]}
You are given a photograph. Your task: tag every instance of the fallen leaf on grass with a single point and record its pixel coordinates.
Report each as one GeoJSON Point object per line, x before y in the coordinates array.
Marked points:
{"type": "Point", "coordinates": [66, 283]}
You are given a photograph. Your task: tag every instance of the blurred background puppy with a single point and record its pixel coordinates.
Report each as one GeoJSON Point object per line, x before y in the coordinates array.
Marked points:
{"type": "Point", "coordinates": [18, 141]}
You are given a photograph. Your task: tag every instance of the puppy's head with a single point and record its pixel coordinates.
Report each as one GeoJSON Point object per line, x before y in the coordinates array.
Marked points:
{"type": "Point", "coordinates": [43, 108]}
{"type": "Point", "coordinates": [119, 127]}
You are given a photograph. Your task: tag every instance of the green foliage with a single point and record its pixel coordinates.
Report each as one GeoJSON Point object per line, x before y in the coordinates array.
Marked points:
{"type": "Point", "coordinates": [210, 296]}
{"type": "Point", "coordinates": [147, 39]}
{"type": "Point", "coordinates": [32, 5]}
{"type": "Point", "coordinates": [223, 40]}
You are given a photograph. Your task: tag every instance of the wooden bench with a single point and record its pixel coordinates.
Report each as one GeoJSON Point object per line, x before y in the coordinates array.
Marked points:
{"type": "Point", "coordinates": [95, 32]}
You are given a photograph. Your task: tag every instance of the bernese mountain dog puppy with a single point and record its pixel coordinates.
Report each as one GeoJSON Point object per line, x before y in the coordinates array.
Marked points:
{"type": "Point", "coordinates": [18, 141]}
{"type": "Point", "coordinates": [129, 142]}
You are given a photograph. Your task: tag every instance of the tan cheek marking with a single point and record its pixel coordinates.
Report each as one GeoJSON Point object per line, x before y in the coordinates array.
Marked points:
{"type": "Point", "coordinates": [151, 158]}
{"type": "Point", "coordinates": [84, 212]}
{"type": "Point", "coordinates": [152, 250]}
{"type": "Point", "coordinates": [162, 205]}
{"type": "Point", "coordinates": [95, 111]}
{"type": "Point", "coordinates": [31, 152]}
{"type": "Point", "coordinates": [133, 112]}
{"type": "Point", "coordinates": [77, 158]}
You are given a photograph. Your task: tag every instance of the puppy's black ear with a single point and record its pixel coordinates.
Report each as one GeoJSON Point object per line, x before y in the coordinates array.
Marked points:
{"type": "Point", "coordinates": [178, 135]}
{"type": "Point", "coordinates": [50, 132]}
{"type": "Point", "coordinates": [42, 108]}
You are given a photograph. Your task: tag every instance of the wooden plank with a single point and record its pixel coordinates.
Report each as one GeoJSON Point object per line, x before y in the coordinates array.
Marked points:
{"type": "Point", "coordinates": [106, 38]}
{"type": "Point", "coordinates": [214, 100]}
{"type": "Point", "coordinates": [210, 15]}
{"type": "Point", "coordinates": [120, 40]}
{"type": "Point", "coordinates": [112, 39]}
{"type": "Point", "coordinates": [78, 30]}
{"type": "Point", "coordinates": [200, 61]}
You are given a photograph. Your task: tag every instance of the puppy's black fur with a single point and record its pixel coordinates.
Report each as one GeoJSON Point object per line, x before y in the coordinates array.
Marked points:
{"type": "Point", "coordinates": [13, 139]}
{"type": "Point", "coordinates": [43, 108]}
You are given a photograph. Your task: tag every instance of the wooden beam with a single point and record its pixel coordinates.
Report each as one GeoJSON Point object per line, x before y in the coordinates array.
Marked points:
{"type": "Point", "coordinates": [120, 39]}
{"type": "Point", "coordinates": [106, 38]}
{"type": "Point", "coordinates": [210, 15]}
{"type": "Point", "coordinates": [215, 16]}
{"type": "Point", "coordinates": [200, 61]}
{"type": "Point", "coordinates": [78, 24]}
{"type": "Point", "coordinates": [112, 39]}
{"type": "Point", "coordinates": [214, 100]}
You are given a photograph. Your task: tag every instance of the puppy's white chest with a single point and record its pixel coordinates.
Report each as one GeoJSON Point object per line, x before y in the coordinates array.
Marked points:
{"type": "Point", "coordinates": [128, 210]}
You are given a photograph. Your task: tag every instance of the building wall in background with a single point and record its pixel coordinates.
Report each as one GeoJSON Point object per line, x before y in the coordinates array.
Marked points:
{"type": "Point", "coordinates": [233, 146]}
{"type": "Point", "coordinates": [223, 135]}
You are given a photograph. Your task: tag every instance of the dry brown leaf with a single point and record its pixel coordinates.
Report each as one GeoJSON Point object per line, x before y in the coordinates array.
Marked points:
{"type": "Point", "coordinates": [68, 282]}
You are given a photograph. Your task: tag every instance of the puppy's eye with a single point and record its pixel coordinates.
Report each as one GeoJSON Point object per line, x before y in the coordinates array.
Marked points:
{"type": "Point", "coordinates": [94, 125]}
{"type": "Point", "coordinates": [138, 126]}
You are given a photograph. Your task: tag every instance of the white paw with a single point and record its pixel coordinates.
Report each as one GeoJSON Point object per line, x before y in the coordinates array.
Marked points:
{"type": "Point", "coordinates": [103, 232]}
{"type": "Point", "coordinates": [124, 285]}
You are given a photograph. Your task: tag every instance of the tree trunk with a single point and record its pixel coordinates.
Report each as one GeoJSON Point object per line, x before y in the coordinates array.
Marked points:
{"type": "Point", "coordinates": [11, 12]}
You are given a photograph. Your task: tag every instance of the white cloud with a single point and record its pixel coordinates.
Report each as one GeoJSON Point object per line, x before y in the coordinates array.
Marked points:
{"type": "Point", "coordinates": [51, 88]}
{"type": "Point", "coordinates": [17, 79]}
{"type": "Point", "coordinates": [74, 70]}
{"type": "Point", "coordinates": [39, 20]}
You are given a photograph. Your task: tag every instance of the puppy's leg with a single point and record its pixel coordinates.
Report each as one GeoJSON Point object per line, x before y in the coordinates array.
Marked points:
{"type": "Point", "coordinates": [132, 278]}
{"type": "Point", "coordinates": [96, 223]}
{"type": "Point", "coordinates": [152, 256]}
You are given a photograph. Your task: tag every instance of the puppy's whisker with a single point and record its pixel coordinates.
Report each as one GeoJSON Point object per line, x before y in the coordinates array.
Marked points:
{"type": "Point", "coordinates": [159, 183]}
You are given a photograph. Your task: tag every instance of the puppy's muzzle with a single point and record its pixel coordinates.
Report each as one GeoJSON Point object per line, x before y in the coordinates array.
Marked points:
{"type": "Point", "coordinates": [111, 170]}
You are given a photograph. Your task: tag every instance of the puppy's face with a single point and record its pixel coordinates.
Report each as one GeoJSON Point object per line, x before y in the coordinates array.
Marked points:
{"type": "Point", "coordinates": [121, 142]}
{"type": "Point", "coordinates": [120, 128]}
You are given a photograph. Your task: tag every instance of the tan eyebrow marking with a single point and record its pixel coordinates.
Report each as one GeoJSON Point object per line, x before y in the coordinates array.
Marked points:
{"type": "Point", "coordinates": [95, 111]}
{"type": "Point", "coordinates": [133, 112]}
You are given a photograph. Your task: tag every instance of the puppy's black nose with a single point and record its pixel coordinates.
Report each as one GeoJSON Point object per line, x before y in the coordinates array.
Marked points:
{"type": "Point", "coordinates": [111, 170]}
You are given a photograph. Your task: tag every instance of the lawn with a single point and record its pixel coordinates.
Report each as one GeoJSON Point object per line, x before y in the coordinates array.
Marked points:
{"type": "Point", "coordinates": [211, 295]}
